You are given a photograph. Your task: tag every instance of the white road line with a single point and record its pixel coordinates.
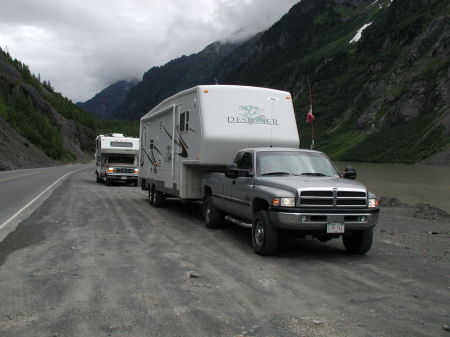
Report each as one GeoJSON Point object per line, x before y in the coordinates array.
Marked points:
{"type": "Point", "coordinates": [37, 197]}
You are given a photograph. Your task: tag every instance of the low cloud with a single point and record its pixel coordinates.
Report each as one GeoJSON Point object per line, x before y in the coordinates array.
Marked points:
{"type": "Point", "coordinates": [82, 47]}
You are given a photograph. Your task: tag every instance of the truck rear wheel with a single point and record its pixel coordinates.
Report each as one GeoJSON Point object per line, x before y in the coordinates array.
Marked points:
{"type": "Point", "coordinates": [265, 237]}
{"type": "Point", "coordinates": [159, 199]}
{"type": "Point", "coordinates": [359, 242]}
{"type": "Point", "coordinates": [213, 217]}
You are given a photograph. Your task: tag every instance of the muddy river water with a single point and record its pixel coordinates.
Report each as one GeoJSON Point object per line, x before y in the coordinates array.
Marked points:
{"type": "Point", "coordinates": [410, 183]}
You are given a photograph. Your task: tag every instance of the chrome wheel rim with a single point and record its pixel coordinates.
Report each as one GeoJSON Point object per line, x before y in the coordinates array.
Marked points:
{"type": "Point", "coordinates": [259, 235]}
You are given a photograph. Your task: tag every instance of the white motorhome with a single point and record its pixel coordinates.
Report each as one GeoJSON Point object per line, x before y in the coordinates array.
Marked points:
{"type": "Point", "coordinates": [202, 128]}
{"type": "Point", "coordinates": [116, 158]}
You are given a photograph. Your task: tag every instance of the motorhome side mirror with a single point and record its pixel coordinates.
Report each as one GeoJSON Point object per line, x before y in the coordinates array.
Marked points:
{"type": "Point", "coordinates": [349, 173]}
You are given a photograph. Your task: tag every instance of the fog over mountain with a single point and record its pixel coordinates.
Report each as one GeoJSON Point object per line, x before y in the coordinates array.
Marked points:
{"type": "Point", "coordinates": [82, 48]}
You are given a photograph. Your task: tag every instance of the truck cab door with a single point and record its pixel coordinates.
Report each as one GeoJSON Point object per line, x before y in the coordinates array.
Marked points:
{"type": "Point", "coordinates": [242, 188]}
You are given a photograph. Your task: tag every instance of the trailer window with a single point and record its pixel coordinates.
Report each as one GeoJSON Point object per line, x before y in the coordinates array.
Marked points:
{"type": "Point", "coordinates": [184, 121]}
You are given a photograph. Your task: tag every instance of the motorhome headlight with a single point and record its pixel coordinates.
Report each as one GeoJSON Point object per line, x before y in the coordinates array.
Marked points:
{"type": "Point", "coordinates": [283, 202]}
{"type": "Point", "coordinates": [110, 170]}
{"type": "Point", "coordinates": [373, 203]}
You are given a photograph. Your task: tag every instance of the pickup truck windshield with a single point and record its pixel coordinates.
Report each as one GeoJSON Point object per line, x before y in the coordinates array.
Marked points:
{"type": "Point", "coordinates": [294, 163]}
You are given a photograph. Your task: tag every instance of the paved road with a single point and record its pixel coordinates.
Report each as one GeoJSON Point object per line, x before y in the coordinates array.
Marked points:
{"type": "Point", "coordinates": [18, 188]}
{"type": "Point", "coordinates": [97, 260]}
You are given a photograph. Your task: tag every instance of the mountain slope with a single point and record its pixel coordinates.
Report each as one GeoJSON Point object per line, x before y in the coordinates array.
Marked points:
{"type": "Point", "coordinates": [161, 82]}
{"type": "Point", "coordinates": [383, 98]}
{"type": "Point", "coordinates": [46, 119]}
{"type": "Point", "coordinates": [109, 99]}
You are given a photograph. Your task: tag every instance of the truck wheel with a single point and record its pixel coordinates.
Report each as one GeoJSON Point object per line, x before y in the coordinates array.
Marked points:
{"type": "Point", "coordinates": [358, 242]}
{"type": "Point", "coordinates": [265, 237]}
{"type": "Point", "coordinates": [159, 199]}
{"type": "Point", "coordinates": [213, 217]}
{"type": "Point", "coordinates": [99, 180]}
{"type": "Point", "coordinates": [151, 196]}
{"type": "Point", "coordinates": [107, 182]}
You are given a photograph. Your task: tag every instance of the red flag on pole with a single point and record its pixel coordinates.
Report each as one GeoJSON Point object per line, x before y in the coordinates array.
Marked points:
{"type": "Point", "coordinates": [309, 117]}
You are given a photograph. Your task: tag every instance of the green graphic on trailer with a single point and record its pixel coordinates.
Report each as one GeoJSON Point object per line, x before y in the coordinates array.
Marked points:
{"type": "Point", "coordinates": [250, 114]}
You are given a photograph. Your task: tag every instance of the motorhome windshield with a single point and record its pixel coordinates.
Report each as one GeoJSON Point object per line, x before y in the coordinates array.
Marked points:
{"type": "Point", "coordinates": [294, 163]}
{"type": "Point", "coordinates": [116, 159]}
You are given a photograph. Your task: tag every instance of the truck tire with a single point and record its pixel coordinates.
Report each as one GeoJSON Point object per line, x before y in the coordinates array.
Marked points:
{"type": "Point", "coordinates": [265, 237]}
{"type": "Point", "coordinates": [99, 180]}
{"type": "Point", "coordinates": [359, 242]}
{"type": "Point", "coordinates": [159, 199]}
{"type": "Point", "coordinates": [151, 196]}
{"type": "Point", "coordinates": [107, 182]}
{"type": "Point", "coordinates": [213, 217]}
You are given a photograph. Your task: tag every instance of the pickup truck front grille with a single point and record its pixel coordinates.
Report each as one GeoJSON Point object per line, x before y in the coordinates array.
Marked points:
{"type": "Point", "coordinates": [332, 198]}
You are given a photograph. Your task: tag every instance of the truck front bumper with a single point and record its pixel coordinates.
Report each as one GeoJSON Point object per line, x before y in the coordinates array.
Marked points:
{"type": "Point", "coordinates": [317, 220]}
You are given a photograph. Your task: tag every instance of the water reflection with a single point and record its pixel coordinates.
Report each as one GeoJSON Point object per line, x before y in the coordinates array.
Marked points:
{"type": "Point", "coordinates": [409, 183]}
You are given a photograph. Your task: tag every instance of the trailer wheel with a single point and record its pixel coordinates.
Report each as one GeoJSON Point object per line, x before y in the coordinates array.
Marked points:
{"type": "Point", "coordinates": [265, 237]}
{"type": "Point", "coordinates": [151, 196]}
{"type": "Point", "coordinates": [359, 242]}
{"type": "Point", "coordinates": [213, 217]}
{"type": "Point", "coordinates": [159, 199]}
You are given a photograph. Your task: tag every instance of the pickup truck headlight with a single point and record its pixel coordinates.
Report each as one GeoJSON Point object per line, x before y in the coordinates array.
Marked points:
{"type": "Point", "coordinates": [373, 203]}
{"type": "Point", "coordinates": [283, 202]}
{"type": "Point", "coordinates": [110, 170]}
{"type": "Point", "coordinates": [136, 170]}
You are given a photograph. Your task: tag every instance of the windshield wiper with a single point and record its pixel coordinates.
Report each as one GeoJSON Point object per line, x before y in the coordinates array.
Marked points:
{"type": "Point", "coordinates": [314, 174]}
{"type": "Point", "coordinates": [276, 173]}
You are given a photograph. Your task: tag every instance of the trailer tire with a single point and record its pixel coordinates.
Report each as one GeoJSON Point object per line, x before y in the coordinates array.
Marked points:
{"type": "Point", "coordinates": [159, 199]}
{"type": "Point", "coordinates": [265, 237]}
{"type": "Point", "coordinates": [359, 242]}
{"type": "Point", "coordinates": [213, 217]}
{"type": "Point", "coordinates": [151, 196]}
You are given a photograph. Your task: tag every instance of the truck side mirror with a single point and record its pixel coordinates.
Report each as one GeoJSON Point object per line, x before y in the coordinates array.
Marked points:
{"type": "Point", "coordinates": [233, 172]}
{"type": "Point", "coordinates": [349, 173]}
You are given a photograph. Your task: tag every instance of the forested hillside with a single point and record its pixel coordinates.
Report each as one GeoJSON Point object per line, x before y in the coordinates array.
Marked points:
{"type": "Point", "coordinates": [382, 95]}
{"type": "Point", "coordinates": [42, 116]}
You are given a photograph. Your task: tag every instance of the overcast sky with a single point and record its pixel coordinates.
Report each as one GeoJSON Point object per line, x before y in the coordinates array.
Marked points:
{"type": "Point", "coordinates": [83, 46]}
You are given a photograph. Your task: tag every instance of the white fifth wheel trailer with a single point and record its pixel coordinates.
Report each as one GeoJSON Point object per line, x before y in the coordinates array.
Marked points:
{"type": "Point", "coordinates": [116, 158]}
{"type": "Point", "coordinates": [202, 128]}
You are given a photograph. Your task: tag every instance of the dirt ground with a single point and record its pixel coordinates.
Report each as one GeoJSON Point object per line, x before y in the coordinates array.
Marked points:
{"type": "Point", "coordinates": [97, 260]}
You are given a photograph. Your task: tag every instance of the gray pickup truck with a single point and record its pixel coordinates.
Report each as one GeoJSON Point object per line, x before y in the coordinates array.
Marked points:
{"type": "Point", "coordinates": [273, 190]}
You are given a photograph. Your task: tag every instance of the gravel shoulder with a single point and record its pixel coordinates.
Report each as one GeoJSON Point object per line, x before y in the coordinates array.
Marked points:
{"type": "Point", "coordinates": [97, 260]}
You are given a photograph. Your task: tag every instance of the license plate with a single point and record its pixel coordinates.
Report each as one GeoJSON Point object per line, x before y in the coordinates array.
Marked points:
{"type": "Point", "coordinates": [335, 228]}
{"type": "Point", "coordinates": [123, 177]}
